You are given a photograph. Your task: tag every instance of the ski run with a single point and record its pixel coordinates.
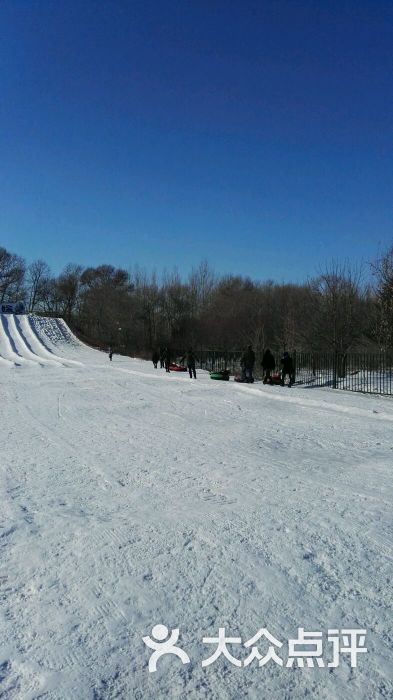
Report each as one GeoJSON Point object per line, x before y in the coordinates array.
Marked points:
{"type": "Point", "coordinates": [130, 498]}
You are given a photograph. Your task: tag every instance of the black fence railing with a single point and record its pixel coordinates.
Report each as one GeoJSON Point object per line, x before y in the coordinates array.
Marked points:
{"type": "Point", "coordinates": [371, 373]}
{"type": "Point", "coordinates": [365, 372]}
{"type": "Point", "coordinates": [214, 360]}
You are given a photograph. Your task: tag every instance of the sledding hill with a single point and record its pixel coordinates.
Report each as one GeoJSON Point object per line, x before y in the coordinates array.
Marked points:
{"type": "Point", "coordinates": [130, 497]}
{"type": "Point", "coordinates": [28, 340]}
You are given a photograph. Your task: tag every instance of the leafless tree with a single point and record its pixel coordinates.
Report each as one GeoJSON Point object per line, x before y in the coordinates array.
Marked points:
{"type": "Point", "coordinates": [383, 271]}
{"type": "Point", "coordinates": [37, 284]}
{"type": "Point", "coordinates": [146, 307]}
{"type": "Point", "coordinates": [335, 309]}
{"type": "Point", "coordinates": [202, 282]}
{"type": "Point", "coordinates": [12, 272]}
{"type": "Point", "coordinates": [104, 297]}
{"type": "Point", "coordinates": [67, 290]}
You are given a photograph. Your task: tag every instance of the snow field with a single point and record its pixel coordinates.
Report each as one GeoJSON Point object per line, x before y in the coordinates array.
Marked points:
{"type": "Point", "coordinates": [130, 498]}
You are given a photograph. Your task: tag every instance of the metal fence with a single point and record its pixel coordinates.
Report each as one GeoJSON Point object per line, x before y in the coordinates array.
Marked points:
{"type": "Point", "coordinates": [371, 373]}
{"type": "Point", "coordinates": [365, 372]}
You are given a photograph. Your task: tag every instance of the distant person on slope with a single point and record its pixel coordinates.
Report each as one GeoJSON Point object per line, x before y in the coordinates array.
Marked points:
{"type": "Point", "coordinates": [162, 357]}
{"type": "Point", "coordinates": [110, 353]}
{"type": "Point", "coordinates": [287, 369]}
{"type": "Point", "coordinates": [167, 359]}
{"type": "Point", "coordinates": [155, 357]}
{"type": "Point", "coordinates": [268, 366]}
{"type": "Point", "coordinates": [247, 364]}
{"type": "Point", "coordinates": [190, 360]}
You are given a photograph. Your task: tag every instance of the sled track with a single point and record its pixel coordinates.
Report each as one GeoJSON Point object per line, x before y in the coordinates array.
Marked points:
{"type": "Point", "coordinates": [34, 341]}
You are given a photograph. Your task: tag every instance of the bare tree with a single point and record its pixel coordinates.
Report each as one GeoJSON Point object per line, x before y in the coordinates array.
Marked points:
{"type": "Point", "coordinates": [67, 290]}
{"type": "Point", "coordinates": [176, 307]}
{"type": "Point", "coordinates": [12, 272]}
{"type": "Point", "coordinates": [383, 271]}
{"type": "Point", "coordinates": [104, 298]}
{"type": "Point", "coordinates": [146, 306]}
{"type": "Point", "coordinates": [38, 282]}
{"type": "Point", "coordinates": [201, 281]}
{"type": "Point", "coordinates": [335, 309]}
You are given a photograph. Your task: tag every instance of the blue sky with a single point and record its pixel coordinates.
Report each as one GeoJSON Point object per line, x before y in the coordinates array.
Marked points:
{"type": "Point", "coordinates": [257, 135]}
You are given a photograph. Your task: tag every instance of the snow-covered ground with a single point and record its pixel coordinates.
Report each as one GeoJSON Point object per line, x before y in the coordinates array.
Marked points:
{"type": "Point", "coordinates": [130, 498]}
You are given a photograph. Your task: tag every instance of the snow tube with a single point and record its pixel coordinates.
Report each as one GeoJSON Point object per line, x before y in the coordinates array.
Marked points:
{"type": "Point", "coordinates": [173, 367]}
{"type": "Point", "coordinates": [276, 378]}
{"type": "Point", "coordinates": [239, 378]}
{"type": "Point", "coordinates": [220, 374]}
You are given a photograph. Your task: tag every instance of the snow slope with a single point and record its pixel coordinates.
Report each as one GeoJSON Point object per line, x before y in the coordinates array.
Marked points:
{"type": "Point", "coordinates": [130, 498]}
{"type": "Point", "coordinates": [27, 340]}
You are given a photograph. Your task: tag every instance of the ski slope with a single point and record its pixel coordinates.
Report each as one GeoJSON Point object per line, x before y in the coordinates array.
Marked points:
{"type": "Point", "coordinates": [32, 341]}
{"type": "Point", "coordinates": [129, 498]}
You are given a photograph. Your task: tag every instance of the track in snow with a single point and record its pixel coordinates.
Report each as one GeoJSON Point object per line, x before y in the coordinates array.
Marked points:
{"type": "Point", "coordinates": [28, 341]}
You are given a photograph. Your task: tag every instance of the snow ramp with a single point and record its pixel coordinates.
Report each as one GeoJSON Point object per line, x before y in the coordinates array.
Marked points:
{"type": "Point", "coordinates": [27, 340]}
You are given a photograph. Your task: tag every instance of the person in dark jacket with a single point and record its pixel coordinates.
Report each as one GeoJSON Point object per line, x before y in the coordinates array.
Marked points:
{"type": "Point", "coordinates": [287, 369]}
{"type": "Point", "coordinates": [162, 357]}
{"type": "Point", "coordinates": [190, 360]}
{"type": "Point", "coordinates": [247, 364]}
{"type": "Point", "coordinates": [268, 366]}
{"type": "Point", "coordinates": [155, 357]}
{"type": "Point", "coordinates": [110, 353]}
{"type": "Point", "coordinates": [167, 359]}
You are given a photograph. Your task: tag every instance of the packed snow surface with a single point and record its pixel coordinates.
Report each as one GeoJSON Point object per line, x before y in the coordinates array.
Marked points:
{"type": "Point", "coordinates": [131, 498]}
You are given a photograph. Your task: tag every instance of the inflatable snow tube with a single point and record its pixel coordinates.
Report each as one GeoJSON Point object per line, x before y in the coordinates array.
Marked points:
{"type": "Point", "coordinates": [239, 378]}
{"type": "Point", "coordinates": [173, 367]}
{"type": "Point", "coordinates": [276, 378]}
{"type": "Point", "coordinates": [222, 375]}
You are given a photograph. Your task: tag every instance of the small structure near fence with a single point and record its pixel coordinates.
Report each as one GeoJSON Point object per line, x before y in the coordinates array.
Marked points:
{"type": "Point", "coordinates": [370, 373]}
{"type": "Point", "coordinates": [17, 307]}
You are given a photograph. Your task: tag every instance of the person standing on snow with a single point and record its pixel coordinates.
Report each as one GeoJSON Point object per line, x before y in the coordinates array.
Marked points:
{"type": "Point", "coordinates": [162, 357]}
{"type": "Point", "coordinates": [247, 364]}
{"type": "Point", "coordinates": [190, 359]}
{"type": "Point", "coordinates": [110, 353]}
{"type": "Point", "coordinates": [155, 357]}
{"type": "Point", "coordinates": [287, 369]}
{"type": "Point", "coordinates": [268, 366]}
{"type": "Point", "coordinates": [167, 359]}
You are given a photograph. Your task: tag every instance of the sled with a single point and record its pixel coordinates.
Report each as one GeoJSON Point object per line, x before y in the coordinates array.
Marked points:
{"type": "Point", "coordinates": [275, 378]}
{"type": "Point", "coordinates": [222, 375]}
{"type": "Point", "coordinates": [174, 367]}
{"type": "Point", "coordinates": [241, 380]}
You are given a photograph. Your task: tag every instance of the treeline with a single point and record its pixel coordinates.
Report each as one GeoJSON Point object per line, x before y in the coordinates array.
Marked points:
{"type": "Point", "coordinates": [136, 311]}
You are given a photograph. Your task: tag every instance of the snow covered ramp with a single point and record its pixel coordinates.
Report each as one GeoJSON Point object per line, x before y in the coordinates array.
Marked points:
{"type": "Point", "coordinates": [35, 341]}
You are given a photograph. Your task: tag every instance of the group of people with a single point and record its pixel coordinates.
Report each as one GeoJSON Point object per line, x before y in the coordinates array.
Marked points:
{"type": "Point", "coordinates": [287, 368]}
{"type": "Point", "coordinates": [268, 364]}
{"type": "Point", "coordinates": [164, 357]}
{"type": "Point", "coordinates": [247, 363]}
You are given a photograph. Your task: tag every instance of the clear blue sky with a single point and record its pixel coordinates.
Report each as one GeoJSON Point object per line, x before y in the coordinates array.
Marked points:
{"type": "Point", "coordinates": [257, 135]}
